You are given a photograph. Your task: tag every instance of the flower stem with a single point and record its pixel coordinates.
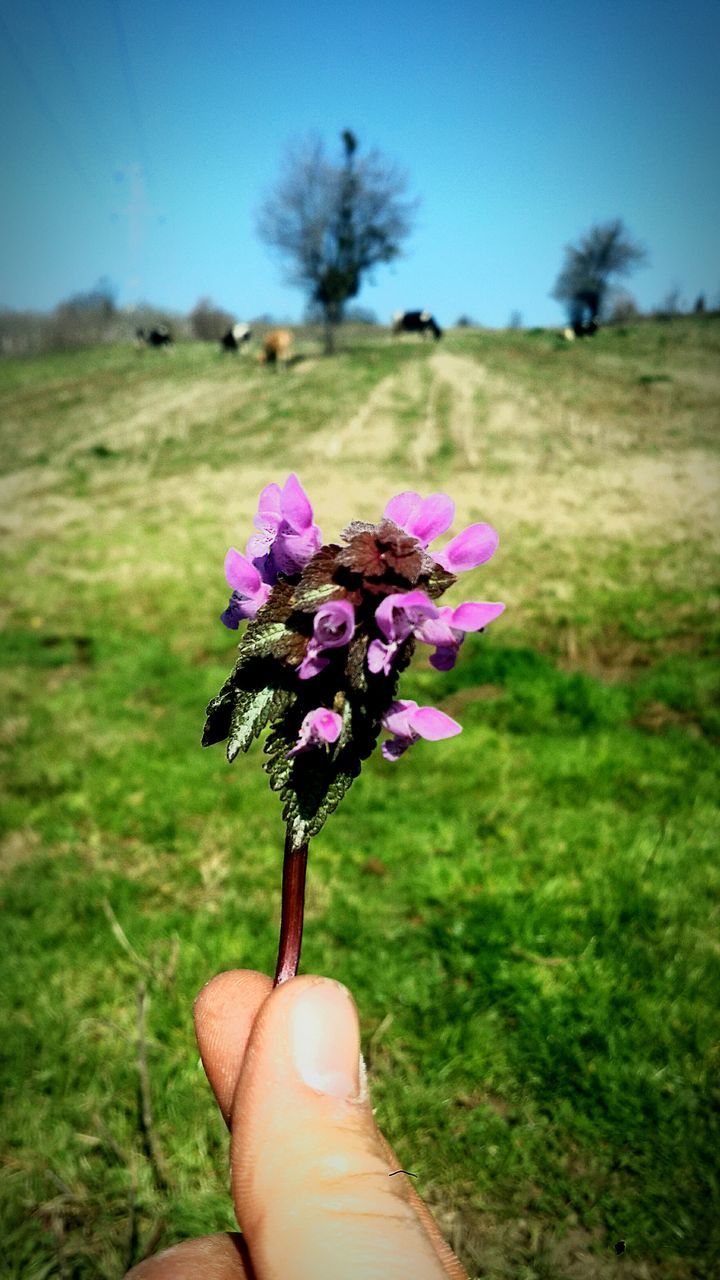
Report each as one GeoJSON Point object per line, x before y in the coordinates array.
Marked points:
{"type": "Point", "coordinates": [293, 905]}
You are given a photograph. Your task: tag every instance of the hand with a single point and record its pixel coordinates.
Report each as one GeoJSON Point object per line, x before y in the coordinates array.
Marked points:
{"type": "Point", "coordinates": [310, 1170]}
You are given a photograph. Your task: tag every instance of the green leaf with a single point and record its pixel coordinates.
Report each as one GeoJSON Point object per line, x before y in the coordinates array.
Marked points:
{"type": "Point", "coordinates": [219, 711]}
{"type": "Point", "coordinates": [346, 731]}
{"type": "Point", "coordinates": [438, 581]}
{"type": "Point", "coordinates": [260, 641]}
{"type": "Point", "coordinates": [307, 598]}
{"type": "Point", "coordinates": [249, 715]}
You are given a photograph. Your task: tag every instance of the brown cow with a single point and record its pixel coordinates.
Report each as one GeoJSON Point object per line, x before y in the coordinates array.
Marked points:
{"type": "Point", "coordinates": [276, 347]}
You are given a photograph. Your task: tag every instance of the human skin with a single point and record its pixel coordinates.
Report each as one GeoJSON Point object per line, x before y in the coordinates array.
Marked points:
{"type": "Point", "coordinates": [310, 1170]}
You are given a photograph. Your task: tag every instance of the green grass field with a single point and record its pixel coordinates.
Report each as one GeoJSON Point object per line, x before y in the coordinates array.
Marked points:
{"type": "Point", "coordinates": [527, 915]}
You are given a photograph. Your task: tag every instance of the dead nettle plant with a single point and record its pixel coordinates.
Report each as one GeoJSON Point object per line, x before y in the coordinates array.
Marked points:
{"type": "Point", "coordinates": [330, 629]}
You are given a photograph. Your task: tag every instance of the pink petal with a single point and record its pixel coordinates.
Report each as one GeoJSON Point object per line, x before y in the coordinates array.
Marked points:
{"type": "Point", "coordinates": [435, 516]}
{"type": "Point", "coordinates": [468, 549]}
{"type": "Point", "coordinates": [311, 665]}
{"type": "Point", "coordinates": [326, 724]}
{"type": "Point", "coordinates": [473, 616]}
{"type": "Point", "coordinates": [241, 575]}
{"type": "Point", "coordinates": [433, 724]}
{"type": "Point", "coordinates": [296, 508]}
{"type": "Point", "coordinates": [258, 544]}
{"type": "Point", "coordinates": [269, 504]}
{"type": "Point", "coordinates": [334, 624]}
{"type": "Point", "coordinates": [384, 617]}
{"type": "Point", "coordinates": [293, 550]}
{"type": "Point", "coordinates": [413, 599]}
{"type": "Point", "coordinates": [399, 716]}
{"type": "Point", "coordinates": [378, 656]}
{"type": "Point", "coordinates": [403, 508]}
{"type": "Point", "coordinates": [398, 615]}
{"type": "Point", "coordinates": [436, 631]}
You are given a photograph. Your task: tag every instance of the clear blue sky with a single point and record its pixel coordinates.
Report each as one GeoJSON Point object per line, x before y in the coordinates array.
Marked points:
{"type": "Point", "coordinates": [139, 137]}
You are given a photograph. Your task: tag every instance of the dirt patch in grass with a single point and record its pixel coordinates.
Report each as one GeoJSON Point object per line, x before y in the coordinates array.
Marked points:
{"type": "Point", "coordinates": [530, 1246]}
{"type": "Point", "coordinates": [18, 847]}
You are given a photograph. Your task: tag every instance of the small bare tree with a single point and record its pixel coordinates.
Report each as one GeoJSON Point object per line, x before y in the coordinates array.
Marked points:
{"type": "Point", "coordinates": [208, 323]}
{"type": "Point", "coordinates": [603, 254]}
{"type": "Point", "coordinates": [333, 222]}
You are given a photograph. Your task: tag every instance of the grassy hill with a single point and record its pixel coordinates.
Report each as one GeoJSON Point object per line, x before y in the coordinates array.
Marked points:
{"type": "Point", "coordinates": [527, 914]}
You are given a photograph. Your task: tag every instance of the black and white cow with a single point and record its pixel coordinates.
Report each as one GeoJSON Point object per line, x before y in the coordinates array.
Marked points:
{"type": "Point", "coordinates": [416, 322]}
{"type": "Point", "coordinates": [237, 337]}
{"type": "Point", "coordinates": [160, 336]}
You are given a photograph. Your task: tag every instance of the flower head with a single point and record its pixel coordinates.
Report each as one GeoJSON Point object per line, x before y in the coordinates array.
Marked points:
{"type": "Point", "coordinates": [427, 518]}
{"type": "Point", "coordinates": [286, 537]}
{"type": "Point", "coordinates": [408, 722]}
{"type": "Point", "coordinates": [338, 624]}
{"type": "Point", "coordinates": [424, 518]}
{"type": "Point", "coordinates": [398, 617]}
{"type": "Point", "coordinates": [448, 629]}
{"type": "Point", "coordinates": [249, 590]}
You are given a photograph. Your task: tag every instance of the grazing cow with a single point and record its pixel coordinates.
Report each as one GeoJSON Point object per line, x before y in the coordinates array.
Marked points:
{"type": "Point", "coordinates": [160, 336]}
{"type": "Point", "coordinates": [276, 347]}
{"type": "Point", "coordinates": [580, 329]}
{"type": "Point", "coordinates": [416, 322]}
{"type": "Point", "coordinates": [237, 338]}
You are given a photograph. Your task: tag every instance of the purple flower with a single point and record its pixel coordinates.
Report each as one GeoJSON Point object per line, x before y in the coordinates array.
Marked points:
{"type": "Point", "coordinates": [333, 626]}
{"type": "Point", "coordinates": [320, 728]}
{"type": "Point", "coordinates": [427, 518]}
{"type": "Point", "coordinates": [408, 722]}
{"type": "Point", "coordinates": [286, 537]}
{"type": "Point", "coordinates": [448, 630]}
{"type": "Point", "coordinates": [249, 590]}
{"type": "Point", "coordinates": [423, 518]}
{"type": "Point", "coordinates": [397, 617]}
{"type": "Point", "coordinates": [468, 549]}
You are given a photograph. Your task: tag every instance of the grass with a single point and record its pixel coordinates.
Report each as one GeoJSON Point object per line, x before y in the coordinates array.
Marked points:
{"type": "Point", "coordinates": [539, 896]}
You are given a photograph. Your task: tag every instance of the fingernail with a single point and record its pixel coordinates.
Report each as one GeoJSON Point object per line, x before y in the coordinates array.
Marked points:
{"type": "Point", "coordinates": [325, 1041]}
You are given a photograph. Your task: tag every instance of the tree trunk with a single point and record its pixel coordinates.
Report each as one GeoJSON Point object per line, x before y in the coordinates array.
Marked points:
{"type": "Point", "coordinates": [330, 321]}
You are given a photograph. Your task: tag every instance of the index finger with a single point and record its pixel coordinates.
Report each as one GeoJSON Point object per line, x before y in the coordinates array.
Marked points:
{"type": "Point", "coordinates": [224, 1013]}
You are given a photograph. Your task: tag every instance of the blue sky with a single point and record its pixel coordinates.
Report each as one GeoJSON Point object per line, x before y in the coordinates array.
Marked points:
{"type": "Point", "coordinates": [139, 138]}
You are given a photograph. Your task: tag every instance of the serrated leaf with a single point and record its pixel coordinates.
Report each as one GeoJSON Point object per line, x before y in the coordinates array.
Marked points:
{"type": "Point", "coordinates": [318, 583]}
{"type": "Point", "coordinates": [356, 526]}
{"type": "Point", "coordinates": [218, 712]}
{"type": "Point", "coordinates": [310, 598]}
{"type": "Point", "coordinates": [343, 707]}
{"type": "Point", "coordinates": [355, 666]}
{"type": "Point", "coordinates": [438, 581]}
{"type": "Point", "coordinates": [249, 716]}
{"type": "Point", "coordinates": [272, 637]}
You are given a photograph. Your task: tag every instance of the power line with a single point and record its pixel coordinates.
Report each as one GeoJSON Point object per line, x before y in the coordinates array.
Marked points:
{"type": "Point", "coordinates": [130, 84]}
{"type": "Point", "coordinates": [43, 105]}
{"type": "Point", "coordinates": [86, 108]}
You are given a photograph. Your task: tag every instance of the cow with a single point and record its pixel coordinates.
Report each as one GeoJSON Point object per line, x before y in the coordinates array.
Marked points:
{"type": "Point", "coordinates": [159, 336]}
{"type": "Point", "coordinates": [276, 347]}
{"type": "Point", "coordinates": [580, 328]}
{"type": "Point", "coordinates": [236, 338]}
{"type": "Point", "coordinates": [416, 322]}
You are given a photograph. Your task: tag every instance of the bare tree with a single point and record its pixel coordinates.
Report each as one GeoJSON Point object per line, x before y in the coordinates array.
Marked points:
{"type": "Point", "coordinates": [207, 322]}
{"type": "Point", "coordinates": [333, 222]}
{"type": "Point", "coordinates": [603, 254]}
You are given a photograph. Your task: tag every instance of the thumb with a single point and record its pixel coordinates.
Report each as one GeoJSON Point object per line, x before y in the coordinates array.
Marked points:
{"type": "Point", "coordinates": [310, 1175]}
